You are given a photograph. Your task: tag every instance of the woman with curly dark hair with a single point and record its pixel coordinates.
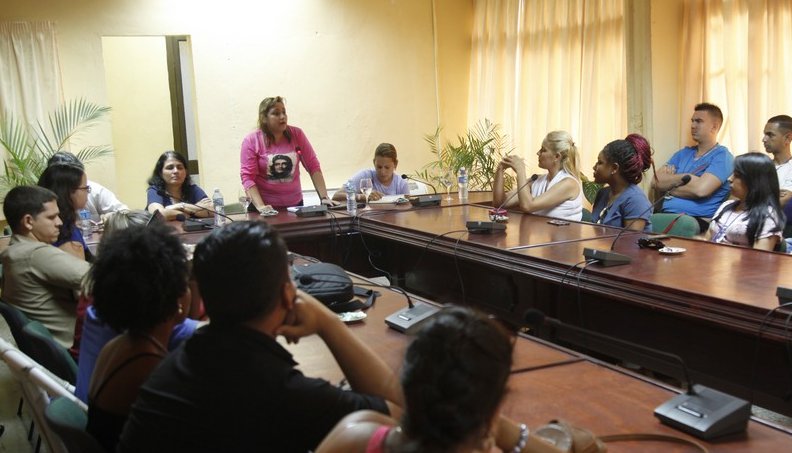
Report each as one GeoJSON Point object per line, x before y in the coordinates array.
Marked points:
{"type": "Point", "coordinates": [70, 184]}
{"type": "Point", "coordinates": [453, 379]}
{"type": "Point", "coordinates": [621, 165]}
{"type": "Point", "coordinates": [140, 289]}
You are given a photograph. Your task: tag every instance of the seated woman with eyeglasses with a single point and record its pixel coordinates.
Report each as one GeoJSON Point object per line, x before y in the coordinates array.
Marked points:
{"type": "Point", "coordinates": [621, 165]}
{"type": "Point", "coordinates": [70, 184]}
{"type": "Point", "coordinates": [753, 218]}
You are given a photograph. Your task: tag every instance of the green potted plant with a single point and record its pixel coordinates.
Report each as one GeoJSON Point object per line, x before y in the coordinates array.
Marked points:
{"type": "Point", "coordinates": [28, 147]}
{"type": "Point", "coordinates": [479, 150]}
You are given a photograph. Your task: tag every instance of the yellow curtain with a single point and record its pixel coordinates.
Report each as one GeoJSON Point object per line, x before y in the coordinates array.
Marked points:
{"type": "Point", "coordinates": [737, 55]}
{"type": "Point", "coordinates": [543, 65]}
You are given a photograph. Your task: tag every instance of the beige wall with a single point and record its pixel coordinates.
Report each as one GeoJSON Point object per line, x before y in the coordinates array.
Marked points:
{"type": "Point", "coordinates": [137, 88]}
{"type": "Point", "coordinates": [354, 72]}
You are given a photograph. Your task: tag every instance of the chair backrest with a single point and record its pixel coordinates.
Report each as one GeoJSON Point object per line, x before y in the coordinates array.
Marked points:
{"type": "Point", "coordinates": [16, 321]}
{"type": "Point", "coordinates": [684, 225]}
{"type": "Point", "coordinates": [68, 421]}
{"type": "Point", "coordinates": [586, 216]}
{"type": "Point", "coordinates": [48, 352]}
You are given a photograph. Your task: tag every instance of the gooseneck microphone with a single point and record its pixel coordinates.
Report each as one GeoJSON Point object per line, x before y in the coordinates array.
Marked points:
{"type": "Point", "coordinates": [165, 193]}
{"type": "Point", "coordinates": [483, 227]}
{"type": "Point", "coordinates": [406, 176]}
{"type": "Point", "coordinates": [702, 412]}
{"type": "Point", "coordinates": [609, 258]}
{"type": "Point", "coordinates": [533, 178]}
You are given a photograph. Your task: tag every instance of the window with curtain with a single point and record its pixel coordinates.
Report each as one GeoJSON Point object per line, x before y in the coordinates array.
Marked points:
{"type": "Point", "coordinates": [30, 79]}
{"type": "Point", "coordinates": [737, 54]}
{"type": "Point", "coordinates": [544, 65]}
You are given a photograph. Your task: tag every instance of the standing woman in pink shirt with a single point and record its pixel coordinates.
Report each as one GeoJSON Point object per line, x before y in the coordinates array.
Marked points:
{"type": "Point", "coordinates": [271, 158]}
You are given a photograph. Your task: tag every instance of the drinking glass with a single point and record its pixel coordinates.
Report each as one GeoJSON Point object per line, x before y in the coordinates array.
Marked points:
{"type": "Point", "coordinates": [447, 179]}
{"type": "Point", "coordinates": [366, 186]}
{"type": "Point", "coordinates": [244, 200]}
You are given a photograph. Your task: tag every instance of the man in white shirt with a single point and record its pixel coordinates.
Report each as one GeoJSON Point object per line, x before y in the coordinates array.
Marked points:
{"type": "Point", "coordinates": [101, 201]}
{"type": "Point", "coordinates": [776, 140]}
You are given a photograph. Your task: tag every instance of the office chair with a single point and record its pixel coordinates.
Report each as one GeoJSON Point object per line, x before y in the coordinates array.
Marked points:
{"type": "Point", "coordinates": [16, 320]}
{"type": "Point", "coordinates": [68, 421]}
{"type": "Point", "coordinates": [48, 352]}
{"type": "Point", "coordinates": [675, 224]}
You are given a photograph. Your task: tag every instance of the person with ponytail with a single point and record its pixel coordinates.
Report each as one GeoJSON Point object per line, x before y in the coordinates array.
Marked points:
{"type": "Point", "coordinates": [454, 380]}
{"type": "Point", "coordinates": [555, 194]}
{"type": "Point", "coordinates": [753, 217]}
{"type": "Point", "coordinates": [621, 165]}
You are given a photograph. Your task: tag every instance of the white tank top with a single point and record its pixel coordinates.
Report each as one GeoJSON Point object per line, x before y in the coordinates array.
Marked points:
{"type": "Point", "coordinates": [569, 209]}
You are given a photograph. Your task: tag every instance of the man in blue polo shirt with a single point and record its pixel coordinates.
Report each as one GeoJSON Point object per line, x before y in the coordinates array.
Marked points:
{"type": "Point", "coordinates": [708, 164]}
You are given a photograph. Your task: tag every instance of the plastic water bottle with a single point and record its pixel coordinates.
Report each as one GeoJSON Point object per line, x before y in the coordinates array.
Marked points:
{"type": "Point", "coordinates": [219, 207]}
{"type": "Point", "coordinates": [85, 223]}
{"type": "Point", "coordinates": [462, 181]}
{"type": "Point", "coordinates": [351, 193]}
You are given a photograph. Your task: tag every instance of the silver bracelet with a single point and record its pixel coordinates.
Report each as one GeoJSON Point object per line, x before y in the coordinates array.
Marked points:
{"type": "Point", "coordinates": [523, 440]}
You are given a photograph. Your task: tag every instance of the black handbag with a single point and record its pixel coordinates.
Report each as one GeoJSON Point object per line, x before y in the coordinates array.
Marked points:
{"type": "Point", "coordinates": [331, 285]}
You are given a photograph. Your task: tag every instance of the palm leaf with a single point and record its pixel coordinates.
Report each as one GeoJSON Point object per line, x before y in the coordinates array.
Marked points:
{"type": "Point", "coordinates": [28, 148]}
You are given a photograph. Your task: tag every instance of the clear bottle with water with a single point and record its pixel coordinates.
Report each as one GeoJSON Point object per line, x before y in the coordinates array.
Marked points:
{"type": "Point", "coordinates": [86, 226]}
{"type": "Point", "coordinates": [219, 207]}
{"type": "Point", "coordinates": [351, 193]}
{"type": "Point", "coordinates": [462, 182]}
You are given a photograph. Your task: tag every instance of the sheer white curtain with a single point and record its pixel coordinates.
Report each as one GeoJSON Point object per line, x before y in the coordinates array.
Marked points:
{"type": "Point", "coordinates": [738, 55]}
{"type": "Point", "coordinates": [30, 80]}
{"type": "Point", "coordinates": [543, 65]}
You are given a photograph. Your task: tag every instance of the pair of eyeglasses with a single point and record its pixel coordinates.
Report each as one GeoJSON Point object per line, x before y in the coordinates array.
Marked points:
{"type": "Point", "coordinates": [85, 188]}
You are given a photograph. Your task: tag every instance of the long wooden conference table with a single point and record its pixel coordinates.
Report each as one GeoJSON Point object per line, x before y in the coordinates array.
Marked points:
{"type": "Point", "coordinates": [706, 305]}
{"type": "Point", "coordinates": [550, 382]}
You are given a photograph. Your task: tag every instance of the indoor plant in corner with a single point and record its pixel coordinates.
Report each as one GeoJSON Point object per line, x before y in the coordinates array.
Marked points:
{"type": "Point", "coordinates": [29, 146]}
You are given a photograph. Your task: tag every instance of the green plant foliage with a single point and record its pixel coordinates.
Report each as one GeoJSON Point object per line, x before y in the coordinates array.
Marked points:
{"type": "Point", "coordinates": [28, 147]}
{"type": "Point", "coordinates": [590, 188]}
{"type": "Point", "coordinates": [479, 150]}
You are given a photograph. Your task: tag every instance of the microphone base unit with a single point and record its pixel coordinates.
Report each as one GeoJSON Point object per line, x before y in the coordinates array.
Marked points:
{"type": "Point", "coordinates": [480, 227]}
{"type": "Point", "coordinates": [191, 225]}
{"type": "Point", "coordinates": [421, 201]}
{"type": "Point", "coordinates": [707, 414]}
{"type": "Point", "coordinates": [409, 320]}
{"type": "Point", "coordinates": [606, 258]}
{"type": "Point", "coordinates": [784, 295]}
{"type": "Point", "coordinates": [311, 211]}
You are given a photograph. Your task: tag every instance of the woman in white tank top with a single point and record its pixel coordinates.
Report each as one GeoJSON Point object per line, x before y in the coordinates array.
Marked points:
{"type": "Point", "coordinates": [555, 194]}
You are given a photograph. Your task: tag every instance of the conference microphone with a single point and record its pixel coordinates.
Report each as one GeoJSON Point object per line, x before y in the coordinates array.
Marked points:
{"type": "Point", "coordinates": [421, 201]}
{"type": "Point", "coordinates": [406, 176]}
{"type": "Point", "coordinates": [609, 258]}
{"type": "Point", "coordinates": [479, 227]}
{"type": "Point", "coordinates": [702, 412]}
{"type": "Point", "coordinates": [165, 193]}
{"type": "Point", "coordinates": [533, 178]}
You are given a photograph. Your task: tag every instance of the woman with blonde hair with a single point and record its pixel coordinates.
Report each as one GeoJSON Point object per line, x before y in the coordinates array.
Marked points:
{"type": "Point", "coordinates": [555, 194]}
